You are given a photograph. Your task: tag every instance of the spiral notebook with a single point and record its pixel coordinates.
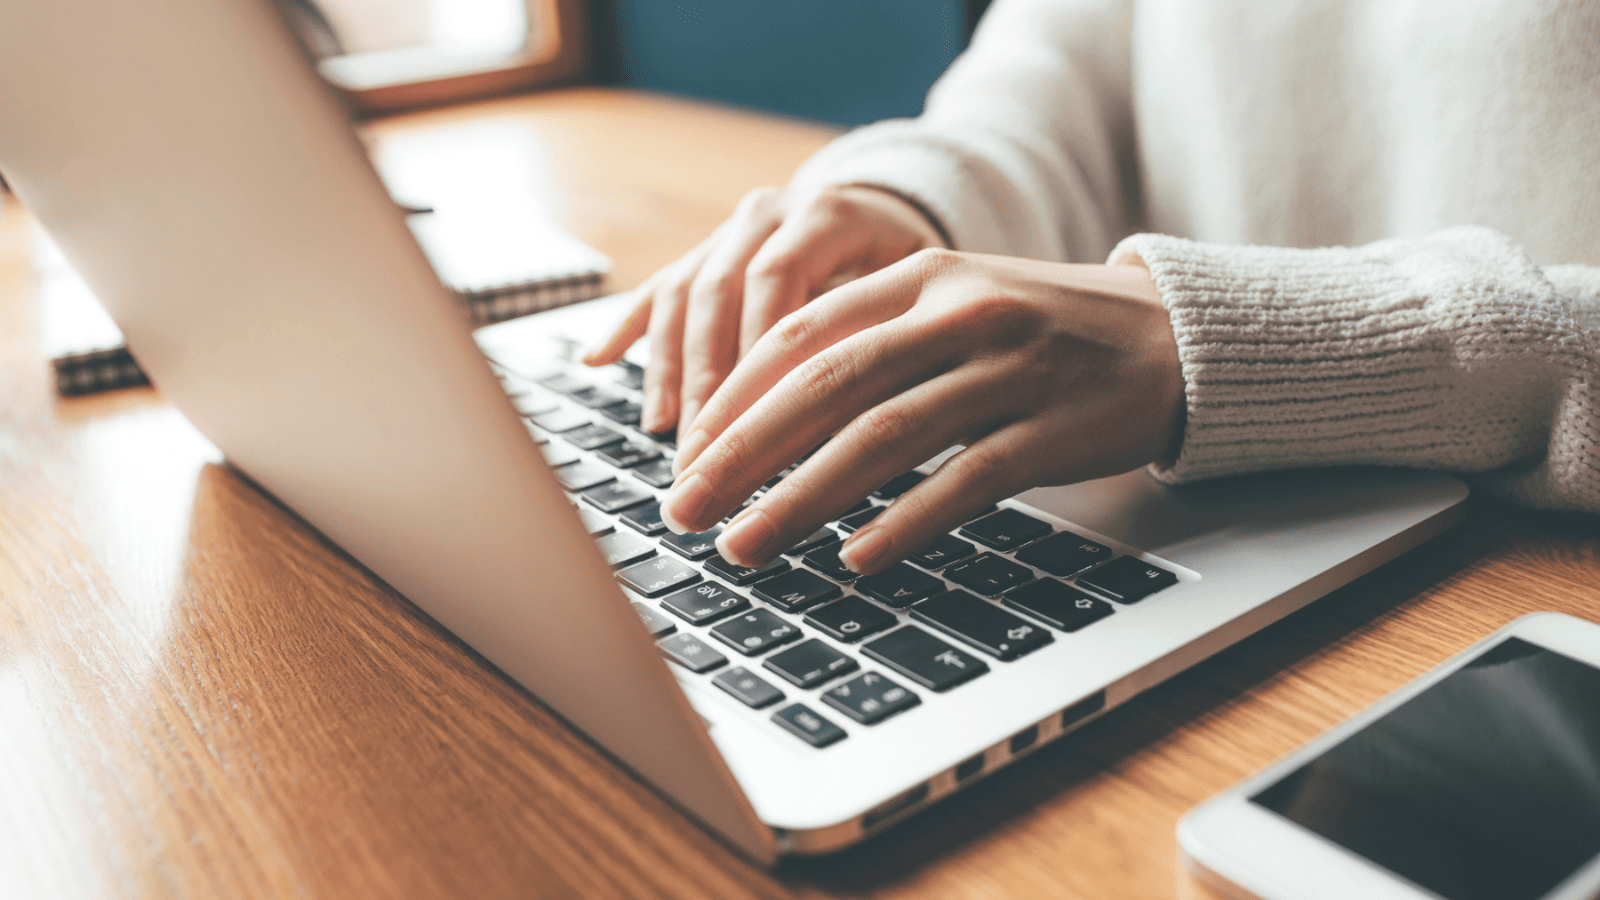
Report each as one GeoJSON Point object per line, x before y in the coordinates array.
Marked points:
{"type": "Point", "coordinates": [504, 263]}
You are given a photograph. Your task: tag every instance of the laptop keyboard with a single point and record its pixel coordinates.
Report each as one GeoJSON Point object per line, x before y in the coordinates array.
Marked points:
{"type": "Point", "coordinates": [803, 634]}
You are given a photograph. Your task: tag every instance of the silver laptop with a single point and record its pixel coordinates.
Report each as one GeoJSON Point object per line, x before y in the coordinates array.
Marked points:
{"type": "Point", "coordinates": [193, 168]}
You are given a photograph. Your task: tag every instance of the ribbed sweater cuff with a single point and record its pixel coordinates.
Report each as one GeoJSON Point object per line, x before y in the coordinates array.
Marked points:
{"type": "Point", "coordinates": [1401, 353]}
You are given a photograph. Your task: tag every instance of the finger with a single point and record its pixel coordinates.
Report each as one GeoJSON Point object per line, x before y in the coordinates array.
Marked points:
{"type": "Point", "coordinates": [892, 437]}
{"type": "Point", "coordinates": [992, 469]}
{"type": "Point", "coordinates": [799, 340]}
{"type": "Point", "coordinates": [804, 253]}
{"type": "Point", "coordinates": [661, 376]}
{"type": "Point", "coordinates": [629, 330]}
{"type": "Point", "coordinates": [815, 400]}
{"type": "Point", "coordinates": [711, 327]}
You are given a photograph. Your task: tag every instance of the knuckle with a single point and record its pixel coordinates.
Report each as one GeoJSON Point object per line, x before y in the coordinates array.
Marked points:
{"type": "Point", "coordinates": [735, 458]}
{"type": "Point", "coordinates": [887, 425]}
{"type": "Point", "coordinates": [825, 375]}
{"type": "Point", "coordinates": [980, 472]}
{"type": "Point", "coordinates": [934, 260]}
{"type": "Point", "coordinates": [792, 333]}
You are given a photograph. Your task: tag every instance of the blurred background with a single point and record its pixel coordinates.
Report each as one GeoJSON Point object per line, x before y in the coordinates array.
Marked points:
{"type": "Point", "coordinates": [841, 61]}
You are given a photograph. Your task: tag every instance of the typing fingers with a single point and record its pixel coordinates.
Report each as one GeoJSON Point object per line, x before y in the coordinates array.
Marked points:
{"type": "Point", "coordinates": [710, 338]}
{"type": "Point", "coordinates": [801, 339]}
{"type": "Point", "coordinates": [890, 438]}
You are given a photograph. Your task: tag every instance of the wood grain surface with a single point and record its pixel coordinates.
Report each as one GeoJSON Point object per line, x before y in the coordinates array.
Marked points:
{"type": "Point", "coordinates": [200, 697]}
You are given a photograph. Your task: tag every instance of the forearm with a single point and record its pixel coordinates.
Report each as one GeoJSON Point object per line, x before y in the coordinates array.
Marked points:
{"type": "Point", "coordinates": [1452, 351]}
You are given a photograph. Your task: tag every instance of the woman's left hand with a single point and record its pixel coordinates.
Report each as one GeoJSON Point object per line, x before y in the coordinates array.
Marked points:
{"type": "Point", "coordinates": [1048, 373]}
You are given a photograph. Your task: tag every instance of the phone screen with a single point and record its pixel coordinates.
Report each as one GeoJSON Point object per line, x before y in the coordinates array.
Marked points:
{"type": "Point", "coordinates": [1485, 785]}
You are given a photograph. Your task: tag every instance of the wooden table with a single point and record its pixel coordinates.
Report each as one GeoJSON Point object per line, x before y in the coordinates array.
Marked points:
{"type": "Point", "coordinates": [199, 697]}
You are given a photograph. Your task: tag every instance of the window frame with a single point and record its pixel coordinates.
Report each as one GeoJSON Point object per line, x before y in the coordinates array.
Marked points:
{"type": "Point", "coordinates": [561, 56]}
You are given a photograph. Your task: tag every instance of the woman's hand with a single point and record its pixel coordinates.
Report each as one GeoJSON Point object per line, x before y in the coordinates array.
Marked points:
{"type": "Point", "coordinates": [778, 251]}
{"type": "Point", "coordinates": [1048, 373]}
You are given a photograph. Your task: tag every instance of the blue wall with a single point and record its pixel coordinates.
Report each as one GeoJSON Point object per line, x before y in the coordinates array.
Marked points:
{"type": "Point", "coordinates": [842, 61]}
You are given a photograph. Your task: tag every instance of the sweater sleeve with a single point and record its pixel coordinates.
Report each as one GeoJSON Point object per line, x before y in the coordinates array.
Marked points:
{"type": "Point", "coordinates": [1025, 147]}
{"type": "Point", "coordinates": [1451, 351]}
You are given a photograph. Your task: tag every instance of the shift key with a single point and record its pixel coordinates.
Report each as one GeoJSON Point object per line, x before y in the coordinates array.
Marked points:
{"type": "Point", "coordinates": [924, 658]}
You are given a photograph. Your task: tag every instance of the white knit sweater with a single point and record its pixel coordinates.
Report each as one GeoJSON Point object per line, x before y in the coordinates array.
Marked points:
{"type": "Point", "coordinates": [1445, 154]}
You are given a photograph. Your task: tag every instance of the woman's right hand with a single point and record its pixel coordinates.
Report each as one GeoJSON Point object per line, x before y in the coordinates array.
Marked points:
{"type": "Point", "coordinates": [776, 252]}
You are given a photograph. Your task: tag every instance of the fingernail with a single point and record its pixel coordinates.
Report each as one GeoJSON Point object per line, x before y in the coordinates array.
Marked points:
{"type": "Point", "coordinates": [863, 549]}
{"type": "Point", "coordinates": [746, 539]}
{"type": "Point", "coordinates": [686, 502]}
{"type": "Point", "coordinates": [689, 448]}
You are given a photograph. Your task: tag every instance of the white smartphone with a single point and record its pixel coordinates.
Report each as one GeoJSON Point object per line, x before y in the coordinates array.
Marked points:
{"type": "Point", "coordinates": [1478, 781]}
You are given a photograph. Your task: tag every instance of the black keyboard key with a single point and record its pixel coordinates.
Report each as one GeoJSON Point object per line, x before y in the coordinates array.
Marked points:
{"type": "Point", "coordinates": [870, 698]}
{"type": "Point", "coordinates": [581, 475]}
{"type": "Point", "coordinates": [856, 521]}
{"type": "Point", "coordinates": [1064, 554]}
{"type": "Point", "coordinates": [795, 590]}
{"type": "Point", "coordinates": [810, 663]}
{"type": "Point", "coordinates": [1127, 579]}
{"type": "Point", "coordinates": [825, 559]}
{"type": "Point", "coordinates": [657, 474]}
{"type": "Point", "coordinates": [925, 659]}
{"type": "Point", "coordinates": [988, 574]}
{"type": "Point", "coordinates": [1058, 605]}
{"type": "Point", "coordinates": [694, 545]}
{"type": "Point", "coordinates": [705, 603]}
{"type": "Point", "coordinates": [627, 455]}
{"type": "Point", "coordinates": [981, 624]}
{"type": "Point", "coordinates": [850, 619]}
{"type": "Point", "coordinates": [614, 496]}
{"type": "Point", "coordinates": [1006, 529]}
{"type": "Point", "coordinates": [898, 485]}
{"type": "Point", "coordinates": [594, 523]}
{"type": "Point", "coordinates": [946, 550]}
{"type": "Point", "coordinates": [751, 689]}
{"type": "Point", "coordinates": [625, 413]}
{"type": "Point", "coordinates": [588, 437]}
{"type": "Point", "coordinates": [620, 549]}
{"type": "Point", "coordinates": [594, 398]}
{"type": "Point", "coordinates": [559, 420]}
{"type": "Point", "coordinates": [692, 653]}
{"type": "Point", "coordinates": [816, 539]}
{"type": "Point", "coordinates": [654, 622]}
{"type": "Point", "coordinates": [743, 575]}
{"type": "Point", "coordinates": [630, 375]}
{"type": "Point", "coordinates": [644, 519]}
{"type": "Point", "coordinates": [808, 726]}
{"type": "Point", "coordinates": [900, 586]}
{"type": "Point", "coordinates": [755, 632]}
{"type": "Point", "coordinates": [655, 577]}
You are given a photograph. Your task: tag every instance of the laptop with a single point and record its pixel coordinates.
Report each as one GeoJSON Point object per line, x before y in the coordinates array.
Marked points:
{"type": "Point", "coordinates": [207, 185]}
